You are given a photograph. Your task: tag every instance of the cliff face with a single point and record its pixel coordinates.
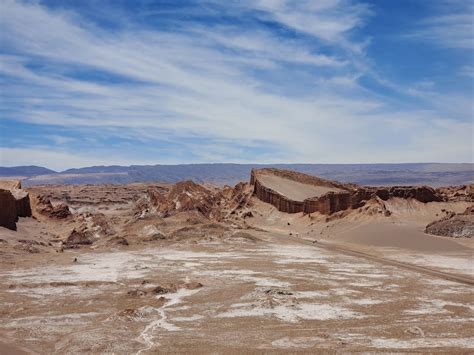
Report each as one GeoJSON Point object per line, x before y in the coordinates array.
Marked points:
{"type": "Point", "coordinates": [281, 202]}
{"type": "Point", "coordinates": [14, 203]}
{"type": "Point", "coordinates": [8, 215]}
{"type": "Point", "coordinates": [347, 195]}
{"type": "Point", "coordinates": [328, 203]}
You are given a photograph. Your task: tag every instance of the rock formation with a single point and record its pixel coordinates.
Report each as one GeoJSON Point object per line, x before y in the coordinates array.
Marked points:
{"type": "Point", "coordinates": [8, 214]}
{"type": "Point", "coordinates": [335, 196]}
{"type": "Point", "coordinates": [457, 193]}
{"type": "Point", "coordinates": [216, 204]}
{"type": "Point", "coordinates": [454, 225]}
{"type": "Point", "coordinates": [14, 203]}
{"type": "Point", "coordinates": [79, 236]}
{"type": "Point", "coordinates": [45, 207]}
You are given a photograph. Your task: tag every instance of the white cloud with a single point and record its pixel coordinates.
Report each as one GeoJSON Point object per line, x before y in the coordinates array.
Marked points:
{"type": "Point", "coordinates": [453, 27]}
{"type": "Point", "coordinates": [329, 20]}
{"type": "Point", "coordinates": [201, 85]}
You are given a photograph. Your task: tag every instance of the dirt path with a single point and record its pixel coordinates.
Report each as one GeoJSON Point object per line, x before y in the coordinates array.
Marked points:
{"type": "Point", "coordinates": [421, 269]}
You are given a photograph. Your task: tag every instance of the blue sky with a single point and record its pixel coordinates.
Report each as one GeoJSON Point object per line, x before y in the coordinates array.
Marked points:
{"type": "Point", "coordinates": [165, 82]}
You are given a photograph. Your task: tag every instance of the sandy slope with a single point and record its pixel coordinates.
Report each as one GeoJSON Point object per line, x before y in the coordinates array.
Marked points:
{"type": "Point", "coordinates": [294, 190]}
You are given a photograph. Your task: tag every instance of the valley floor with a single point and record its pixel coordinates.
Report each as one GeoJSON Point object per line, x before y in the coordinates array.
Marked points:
{"type": "Point", "coordinates": [258, 281]}
{"type": "Point", "coordinates": [267, 293]}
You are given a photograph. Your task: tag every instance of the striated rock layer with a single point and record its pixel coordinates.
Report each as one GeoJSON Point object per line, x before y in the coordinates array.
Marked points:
{"type": "Point", "coordinates": [215, 204]}
{"type": "Point", "coordinates": [343, 197]}
{"type": "Point", "coordinates": [14, 203]}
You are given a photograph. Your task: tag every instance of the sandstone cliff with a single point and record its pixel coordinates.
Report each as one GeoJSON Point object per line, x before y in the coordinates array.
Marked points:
{"type": "Point", "coordinates": [334, 196]}
{"type": "Point", "coordinates": [14, 203]}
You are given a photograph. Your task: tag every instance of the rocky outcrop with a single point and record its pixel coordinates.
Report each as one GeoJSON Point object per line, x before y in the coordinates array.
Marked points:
{"type": "Point", "coordinates": [183, 196]}
{"type": "Point", "coordinates": [215, 204]}
{"type": "Point", "coordinates": [328, 203]}
{"type": "Point", "coordinates": [14, 203]}
{"type": "Point", "coordinates": [457, 193]}
{"type": "Point", "coordinates": [346, 196]}
{"type": "Point", "coordinates": [455, 225]}
{"type": "Point", "coordinates": [45, 207]}
{"type": "Point", "coordinates": [282, 203]}
{"type": "Point", "coordinates": [8, 214]}
{"type": "Point", "coordinates": [421, 193]}
{"type": "Point", "coordinates": [78, 237]}
{"type": "Point", "coordinates": [298, 177]}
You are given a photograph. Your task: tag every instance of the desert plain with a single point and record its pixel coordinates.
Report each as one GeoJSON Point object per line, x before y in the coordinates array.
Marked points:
{"type": "Point", "coordinates": [285, 263]}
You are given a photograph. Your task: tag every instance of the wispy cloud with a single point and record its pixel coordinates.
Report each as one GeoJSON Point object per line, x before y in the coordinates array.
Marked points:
{"type": "Point", "coordinates": [454, 28]}
{"type": "Point", "coordinates": [467, 70]}
{"type": "Point", "coordinates": [220, 92]}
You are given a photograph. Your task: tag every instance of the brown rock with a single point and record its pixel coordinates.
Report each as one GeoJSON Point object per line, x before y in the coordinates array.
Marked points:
{"type": "Point", "coordinates": [14, 203]}
{"type": "Point", "coordinates": [160, 290]}
{"type": "Point", "coordinates": [193, 285]}
{"type": "Point", "coordinates": [45, 207]}
{"type": "Point", "coordinates": [119, 241]}
{"type": "Point", "coordinates": [8, 214]}
{"type": "Point", "coordinates": [345, 196]}
{"type": "Point", "coordinates": [457, 193]}
{"type": "Point", "coordinates": [189, 196]}
{"type": "Point", "coordinates": [136, 293]}
{"type": "Point", "coordinates": [79, 237]}
{"type": "Point", "coordinates": [454, 225]}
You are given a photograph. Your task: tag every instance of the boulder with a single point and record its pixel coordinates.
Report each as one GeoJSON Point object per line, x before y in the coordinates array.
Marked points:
{"type": "Point", "coordinates": [78, 237]}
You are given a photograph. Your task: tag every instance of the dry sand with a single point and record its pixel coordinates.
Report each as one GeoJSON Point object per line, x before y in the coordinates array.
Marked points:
{"type": "Point", "coordinates": [294, 190]}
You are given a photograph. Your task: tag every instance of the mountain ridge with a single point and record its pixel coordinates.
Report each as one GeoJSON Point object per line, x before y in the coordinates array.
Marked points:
{"type": "Point", "coordinates": [433, 174]}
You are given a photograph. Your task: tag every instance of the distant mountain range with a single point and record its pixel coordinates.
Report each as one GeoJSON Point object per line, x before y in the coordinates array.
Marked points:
{"type": "Point", "coordinates": [434, 174]}
{"type": "Point", "coordinates": [28, 171]}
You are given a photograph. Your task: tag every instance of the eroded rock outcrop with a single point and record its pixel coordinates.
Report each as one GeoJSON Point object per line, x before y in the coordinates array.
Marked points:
{"type": "Point", "coordinates": [333, 196]}
{"type": "Point", "coordinates": [457, 193]}
{"type": "Point", "coordinates": [79, 236]}
{"type": "Point", "coordinates": [455, 225]}
{"type": "Point", "coordinates": [326, 203]}
{"type": "Point", "coordinates": [14, 203]}
{"type": "Point", "coordinates": [45, 207]}
{"type": "Point", "coordinates": [8, 214]}
{"type": "Point", "coordinates": [215, 204]}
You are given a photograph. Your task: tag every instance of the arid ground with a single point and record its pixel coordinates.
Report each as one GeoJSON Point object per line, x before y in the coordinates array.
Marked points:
{"type": "Point", "coordinates": [146, 268]}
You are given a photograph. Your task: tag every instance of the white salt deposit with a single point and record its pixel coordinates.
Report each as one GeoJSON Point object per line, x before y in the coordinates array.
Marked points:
{"type": "Point", "coordinates": [293, 313]}
{"type": "Point", "coordinates": [295, 254]}
{"type": "Point", "coordinates": [365, 301]}
{"type": "Point", "coordinates": [300, 342]}
{"type": "Point", "coordinates": [423, 343]}
{"type": "Point", "coordinates": [147, 335]}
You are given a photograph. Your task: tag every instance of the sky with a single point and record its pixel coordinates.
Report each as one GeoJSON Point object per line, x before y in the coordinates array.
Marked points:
{"type": "Point", "coordinates": [265, 81]}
